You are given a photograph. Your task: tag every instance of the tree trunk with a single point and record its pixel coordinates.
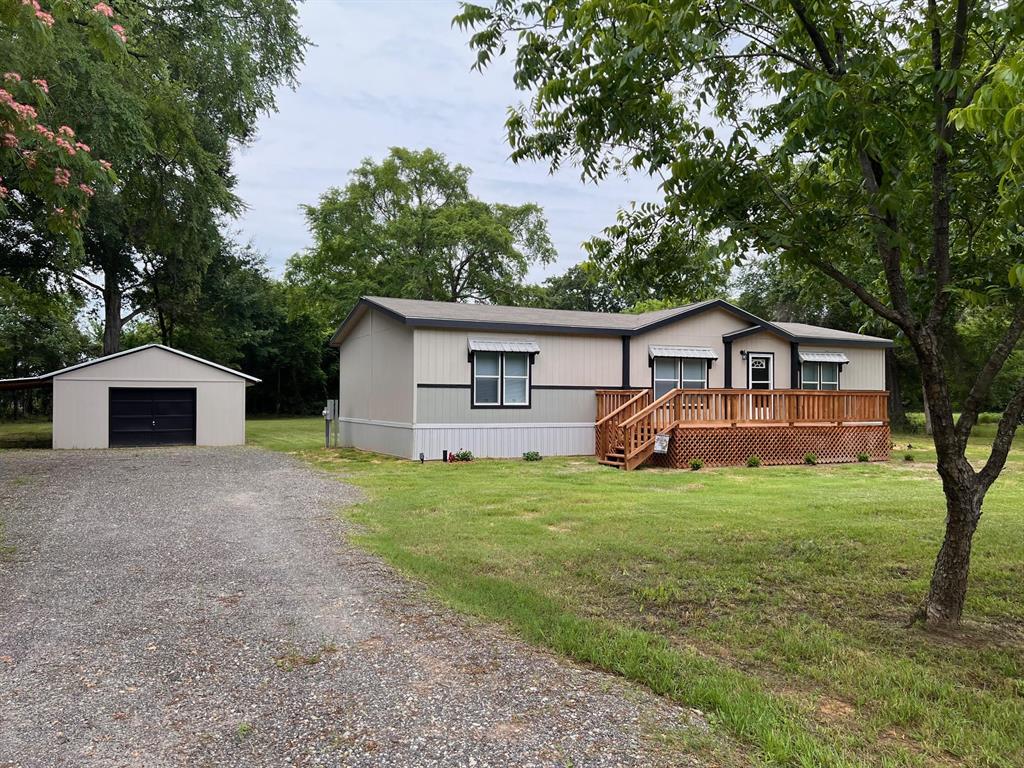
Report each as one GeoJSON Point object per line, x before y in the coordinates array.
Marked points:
{"type": "Point", "coordinates": [945, 602]}
{"type": "Point", "coordinates": [897, 413]}
{"type": "Point", "coordinates": [111, 313]}
{"type": "Point", "coordinates": [927, 415]}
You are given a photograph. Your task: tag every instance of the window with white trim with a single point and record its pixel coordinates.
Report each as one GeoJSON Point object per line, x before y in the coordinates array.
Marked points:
{"type": "Point", "coordinates": [823, 376]}
{"type": "Point", "coordinates": [674, 372]}
{"type": "Point", "coordinates": [501, 379]}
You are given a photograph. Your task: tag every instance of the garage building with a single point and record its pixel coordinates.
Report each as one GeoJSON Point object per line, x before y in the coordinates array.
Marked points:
{"type": "Point", "coordinates": [150, 395]}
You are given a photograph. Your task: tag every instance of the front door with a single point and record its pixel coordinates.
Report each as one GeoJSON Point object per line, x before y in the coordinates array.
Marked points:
{"type": "Point", "coordinates": [759, 371]}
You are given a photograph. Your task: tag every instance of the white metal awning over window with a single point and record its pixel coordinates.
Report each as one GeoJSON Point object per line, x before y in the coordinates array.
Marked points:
{"type": "Point", "coordinates": [823, 357]}
{"type": "Point", "coordinates": [482, 345]}
{"type": "Point", "coordinates": [704, 353]}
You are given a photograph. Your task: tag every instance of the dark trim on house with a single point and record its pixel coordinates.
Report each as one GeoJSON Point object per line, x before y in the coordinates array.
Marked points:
{"type": "Point", "coordinates": [796, 374]}
{"type": "Point", "coordinates": [625, 360]}
{"type": "Point", "coordinates": [534, 387]}
{"type": "Point", "coordinates": [500, 405]}
{"type": "Point", "coordinates": [817, 341]}
{"type": "Point", "coordinates": [728, 364]}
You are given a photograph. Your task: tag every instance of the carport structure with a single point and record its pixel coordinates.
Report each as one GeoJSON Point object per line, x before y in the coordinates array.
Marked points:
{"type": "Point", "coordinates": [150, 395]}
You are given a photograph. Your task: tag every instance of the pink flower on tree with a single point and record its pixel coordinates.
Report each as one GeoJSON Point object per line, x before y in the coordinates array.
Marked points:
{"type": "Point", "coordinates": [62, 177]}
{"type": "Point", "coordinates": [106, 166]}
{"type": "Point", "coordinates": [65, 130]}
{"type": "Point", "coordinates": [12, 77]}
{"type": "Point", "coordinates": [120, 32]}
{"type": "Point", "coordinates": [30, 158]}
{"type": "Point", "coordinates": [83, 147]}
{"type": "Point", "coordinates": [9, 140]}
{"type": "Point", "coordinates": [87, 190]}
{"type": "Point", "coordinates": [103, 10]}
{"type": "Point", "coordinates": [42, 85]}
{"type": "Point", "coordinates": [4, 192]}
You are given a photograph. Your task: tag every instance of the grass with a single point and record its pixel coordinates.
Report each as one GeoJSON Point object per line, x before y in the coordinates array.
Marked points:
{"type": "Point", "coordinates": [773, 598]}
{"type": "Point", "coordinates": [25, 434]}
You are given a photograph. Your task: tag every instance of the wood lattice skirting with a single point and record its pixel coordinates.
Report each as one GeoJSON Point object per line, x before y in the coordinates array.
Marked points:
{"type": "Point", "coordinates": [776, 444]}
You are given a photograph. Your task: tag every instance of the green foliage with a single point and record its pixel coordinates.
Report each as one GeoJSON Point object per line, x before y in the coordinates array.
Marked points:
{"type": "Point", "coordinates": [696, 464]}
{"type": "Point", "coordinates": [908, 456]}
{"type": "Point", "coordinates": [532, 456]}
{"type": "Point", "coordinates": [810, 458]}
{"type": "Point", "coordinates": [754, 461]}
{"type": "Point", "coordinates": [168, 116]}
{"type": "Point", "coordinates": [409, 227]}
{"type": "Point", "coordinates": [862, 457]}
{"type": "Point", "coordinates": [461, 455]}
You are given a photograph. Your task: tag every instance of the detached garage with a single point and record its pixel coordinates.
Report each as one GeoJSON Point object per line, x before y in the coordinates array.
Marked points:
{"type": "Point", "coordinates": [150, 395]}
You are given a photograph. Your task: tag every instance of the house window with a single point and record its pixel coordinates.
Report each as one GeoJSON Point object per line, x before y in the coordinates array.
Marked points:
{"type": "Point", "coordinates": [501, 379]}
{"type": "Point", "coordinates": [820, 376]}
{"type": "Point", "coordinates": [673, 372]}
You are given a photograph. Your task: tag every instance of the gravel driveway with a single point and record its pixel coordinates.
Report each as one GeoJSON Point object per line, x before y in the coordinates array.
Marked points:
{"type": "Point", "coordinates": [201, 607]}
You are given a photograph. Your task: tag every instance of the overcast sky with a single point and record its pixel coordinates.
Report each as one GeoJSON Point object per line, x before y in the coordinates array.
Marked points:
{"type": "Point", "coordinates": [386, 73]}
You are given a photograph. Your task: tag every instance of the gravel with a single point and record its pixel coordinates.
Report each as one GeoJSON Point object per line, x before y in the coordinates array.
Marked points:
{"type": "Point", "coordinates": [201, 607]}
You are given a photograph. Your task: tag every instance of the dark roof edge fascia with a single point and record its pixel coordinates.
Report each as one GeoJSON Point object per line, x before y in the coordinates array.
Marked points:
{"type": "Point", "coordinates": [823, 342]}
{"type": "Point", "coordinates": [759, 324]}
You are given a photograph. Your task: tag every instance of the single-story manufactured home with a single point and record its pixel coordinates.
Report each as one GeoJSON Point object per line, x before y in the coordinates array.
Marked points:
{"type": "Point", "coordinates": [149, 395]}
{"type": "Point", "coordinates": [423, 377]}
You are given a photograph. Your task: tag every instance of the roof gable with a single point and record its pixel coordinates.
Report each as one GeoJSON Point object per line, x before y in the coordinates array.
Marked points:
{"type": "Point", "coordinates": [136, 350]}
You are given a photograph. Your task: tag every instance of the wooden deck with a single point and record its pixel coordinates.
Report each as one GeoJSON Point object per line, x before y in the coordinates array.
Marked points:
{"type": "Point", "coordinates": [629, 420]}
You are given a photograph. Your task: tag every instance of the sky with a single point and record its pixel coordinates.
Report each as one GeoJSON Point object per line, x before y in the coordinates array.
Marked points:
{"type": "Point", "coordinates": [385, 73]}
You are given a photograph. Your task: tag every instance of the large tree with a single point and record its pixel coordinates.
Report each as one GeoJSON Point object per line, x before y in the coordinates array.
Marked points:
{"type": "Point", "coordinates": [851, 138]}
{"type": "Point", "coordinates": [168, 115]}
{"type": "Point", "coordinates": [408, 226]}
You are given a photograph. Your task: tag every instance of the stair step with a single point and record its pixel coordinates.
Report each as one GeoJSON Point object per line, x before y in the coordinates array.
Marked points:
{"type": "Point", "coordinates": [611, 463]}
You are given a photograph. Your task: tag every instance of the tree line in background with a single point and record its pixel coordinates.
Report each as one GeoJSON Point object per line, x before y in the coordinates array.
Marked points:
{"type": "Point", "coordinates": [404, 226]}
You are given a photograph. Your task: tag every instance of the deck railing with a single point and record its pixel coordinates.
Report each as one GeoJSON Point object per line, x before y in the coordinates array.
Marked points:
{"type": "Point", "coordinates": [741, 407]}
{"type": "Point", "coordinates": [609, 400]}
{"type": "Point", "coordinates": [618, 405]}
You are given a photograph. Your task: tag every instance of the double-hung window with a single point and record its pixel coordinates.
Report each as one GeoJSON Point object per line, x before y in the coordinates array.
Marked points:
{"type": "Point", "coordinates": [501, 379]}
{"type": "Point", "coordinates": [673, 372]}
{"type": "Point", "coordinates": [819, 375]}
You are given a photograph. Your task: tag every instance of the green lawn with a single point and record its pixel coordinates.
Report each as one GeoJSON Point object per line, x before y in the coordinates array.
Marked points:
{"type": "Point", "coordinates": [25, 434]}
{"type": "Point", "coordinates": [774, 599]}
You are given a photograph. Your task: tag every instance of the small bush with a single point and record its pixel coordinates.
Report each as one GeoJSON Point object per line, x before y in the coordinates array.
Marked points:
{"type": "Point", "coordinates": [462, 455]}
{"type": "Point", "coordinates": [753, 461]}
{"type": "Point", "coordinates": [863, 457]}
{"type": "Point", "coordinates": [696, 464]}
{"type": "Point", "coordinates": [532, 456]}
{"type": "Point", "coordinates": [908, 456]}
{"type": "Point", "coordinates": [810, 458]}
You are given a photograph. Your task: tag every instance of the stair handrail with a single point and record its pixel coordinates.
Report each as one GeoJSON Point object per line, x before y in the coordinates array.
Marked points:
{"type": "Point", "coordinates": [643, 393]}
{"type": "Point", "coordinates": [650, 408]}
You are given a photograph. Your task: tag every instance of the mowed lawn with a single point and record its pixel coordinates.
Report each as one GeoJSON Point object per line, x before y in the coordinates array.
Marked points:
{"type": "Point", "coordinates": [773, 599]}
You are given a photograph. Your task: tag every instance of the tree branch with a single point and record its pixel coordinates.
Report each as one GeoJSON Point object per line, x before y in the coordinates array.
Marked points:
{"type": "Point", "coordinates": [132, 315]}
{"type": "Point", "coordinates": [817, 39]}
{"type": "Point", "coordinates": [983, 382]}
{"type": "Point", "coordinates": [862, 293]}
{"type": "Point", "coordinates": [87, 282]}
{"type": "Point", "coordinates": [1004, 439]}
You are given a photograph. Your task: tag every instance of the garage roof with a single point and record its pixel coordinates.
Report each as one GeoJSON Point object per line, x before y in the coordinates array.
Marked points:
{"type": "Point", "coordinates": [46, 378]}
